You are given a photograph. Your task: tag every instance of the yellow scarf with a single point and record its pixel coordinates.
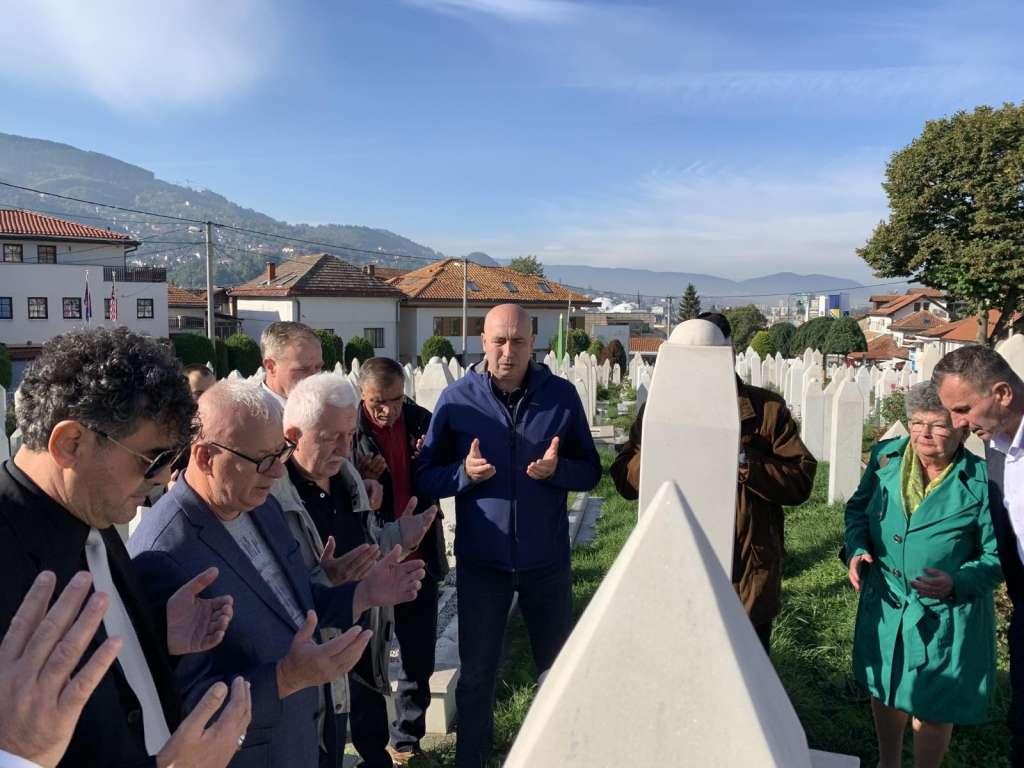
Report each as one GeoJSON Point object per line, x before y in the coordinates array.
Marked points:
{"type": "Point", "coordinates": [912, 480]}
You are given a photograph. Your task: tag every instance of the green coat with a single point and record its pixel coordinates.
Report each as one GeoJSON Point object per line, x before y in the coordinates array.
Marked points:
{"type": "Point", "coordinates": [932, 658]}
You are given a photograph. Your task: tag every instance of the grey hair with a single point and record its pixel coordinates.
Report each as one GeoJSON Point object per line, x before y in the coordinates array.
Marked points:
{"type": "Point", "coordinates": [277, 336]}
{"type": "Point", "coordinates": [244, 395]}
{"type": "Point", "coordinates": [380, 371]}
{"type": "Point", "coordinates": [923, 398]}
{"type": "Point", "coordinates": [307, 400]}
{"type": "Point", "coordinates": [979, 366]}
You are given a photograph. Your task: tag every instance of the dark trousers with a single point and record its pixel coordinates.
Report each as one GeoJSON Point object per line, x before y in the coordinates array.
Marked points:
{"type": "Point", "coordinates": [1016, 637]}
{"type": "Point", "coordinates": [764, 634]}
{"type": "Point", "coordinates": [368, 717]}
{"type": "Point", "coordinates": [416, 630]}
{"type": "Point", "coordinates": [333, 757]}
{"type": "Point", "coordinates": [485, 596]}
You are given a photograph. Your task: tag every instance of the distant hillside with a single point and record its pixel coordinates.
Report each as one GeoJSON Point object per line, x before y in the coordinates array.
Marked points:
{"type": "Point", "coordinates": [65, 170]}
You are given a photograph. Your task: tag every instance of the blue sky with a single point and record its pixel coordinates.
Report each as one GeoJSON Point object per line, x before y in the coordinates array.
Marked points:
{"type": "Point", "coordinates": [723, 137]}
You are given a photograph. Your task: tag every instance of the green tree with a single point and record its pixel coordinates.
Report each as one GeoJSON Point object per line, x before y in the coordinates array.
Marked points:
{"type": "Point", "coordinates": [436, 346]}
{"type": "Point", "coordinates": [5, 367]}
{"type": "Point", "coordinates": [221, 364]}
{"type": "Point", "coordinates": [527, 265]}
{"type": "Point", "coordinates": [844, 336]}
{"type": "Point", "coordinates": [745, 322]}
{"type": "Point", "coordinates": [357, 347]}
{"type": "Point", "coordinates": [956, 219]}
{"type": "Point", "coordinates": [614, 352]}
{"type": "Point", "coordinates": [782, 335]}
{"type": "Point", "coordinates": [810, 335]}
{"type": "Point", "coordinates": [892, 409]}
{"type": "Point", "coordinates": [191, 348]}
{"type": "Point", "coordinates": [576, 341]}
{"type": "Point", "coordinates": [689, 304]}
{"type": "Point", "coordinates": [762, 344]}
{"type": "Point", "coordinates": [596, 347]}
{"type": "Point", "coordinates": [332, 348]}
{"type": "Point", "coordinates": [243, 354]}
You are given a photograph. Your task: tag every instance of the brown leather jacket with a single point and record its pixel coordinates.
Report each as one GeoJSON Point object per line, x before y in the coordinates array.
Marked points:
{"type": "Point", "coordinates": [779, 470]}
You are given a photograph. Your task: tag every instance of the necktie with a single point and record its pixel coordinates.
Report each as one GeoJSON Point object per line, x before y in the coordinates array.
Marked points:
{"type": "Point", "coordinates": [133, 662]}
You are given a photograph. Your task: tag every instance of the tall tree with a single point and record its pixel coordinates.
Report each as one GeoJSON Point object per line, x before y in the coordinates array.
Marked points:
{"type": "Point", "coordinates": [527, 265]}
{"type": "Point", "coordinates": [956, 222]}
{"type": "Point", "coordinates": [745, 322]}
{"type": "Point", "coordinates": [844, 336]}
{"type": "Point", "coordinates": [689, 304]}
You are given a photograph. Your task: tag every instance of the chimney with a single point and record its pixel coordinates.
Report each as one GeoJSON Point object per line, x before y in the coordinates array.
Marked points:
{"type": "Point", "coordinates": [271, 271]}
{"type": "Point", "coordinates": [368, 269]}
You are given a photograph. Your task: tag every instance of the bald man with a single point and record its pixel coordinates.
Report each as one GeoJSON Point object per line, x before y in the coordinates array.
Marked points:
{"type": "Point", "coordinates": [509, 440]}
{"type": "Point", "coordinates": [222, 515]}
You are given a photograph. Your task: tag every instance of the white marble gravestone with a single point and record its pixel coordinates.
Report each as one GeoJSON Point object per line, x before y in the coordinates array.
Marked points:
{"type": "Point", "coordinates": [354, 368]}
{"type": "Point", "coordinates": [812, 423]}
{"type": "Point", "coordinates": [616, 374]}
{"type": "Point", "coordinates": [724, 707]}
{"type": "Point", "coordinates": [828, 395]}
{"type": "Point", "coordinates": [1013, 351]}
{"type": "Point", "coordinates": [927, 359]}
{"type": "Point", "coordinates": [795, 386]}
{"type": "Point", "coordinates": [410, 382]}
{"type": "Point", "coordinates": [583, 391]}
{"type": "Point", "coordinates": [691, 434]}
{"type": "Point", "coordinates": [455, 368]}
{"type": "Point", "coordinates": [756, 371]}
{"type": "Point", "coordinates": [5, 445]}
{"type": "Point", "coordinates": [896, 429]}
{"type": "Point", "coordinates": [435, 377]}
{"type": "Point", "coordinates": [339, 368]}
{"type": "Point", "coordinates": [847, 436]}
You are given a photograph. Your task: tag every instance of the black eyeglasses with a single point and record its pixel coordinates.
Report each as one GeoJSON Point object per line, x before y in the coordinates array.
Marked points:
{"type": "Point", "coordinates": [264, 463]}
{"type": "Point", "coordinates": [154, 465]}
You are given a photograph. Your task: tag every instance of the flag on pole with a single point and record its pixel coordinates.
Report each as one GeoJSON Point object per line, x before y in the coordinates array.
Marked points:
{"type": "Point", "coordinates": [88, 300]}
{"type": "Point", "coordinates": [113, 300]}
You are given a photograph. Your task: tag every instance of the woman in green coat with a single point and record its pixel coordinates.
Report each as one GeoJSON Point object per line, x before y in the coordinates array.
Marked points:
{"type": "Point", "coordinates": [922, 554]}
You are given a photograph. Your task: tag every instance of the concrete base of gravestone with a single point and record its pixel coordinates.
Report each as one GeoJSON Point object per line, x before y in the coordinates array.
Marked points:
{"type": "Point", "coordinates": [738, 713]}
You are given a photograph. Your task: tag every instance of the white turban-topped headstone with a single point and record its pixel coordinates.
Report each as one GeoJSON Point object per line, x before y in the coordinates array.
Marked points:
{"type": "Point", "coordinates": [691, 430]}
{"type": "Point", "coordinates": [436, 376]}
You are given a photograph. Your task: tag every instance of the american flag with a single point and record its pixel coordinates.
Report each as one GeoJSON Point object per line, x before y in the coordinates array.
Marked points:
{"type": "Point", "coordinates": [113, 300]}
{"type": "Point", "coordinates": [88, 299]}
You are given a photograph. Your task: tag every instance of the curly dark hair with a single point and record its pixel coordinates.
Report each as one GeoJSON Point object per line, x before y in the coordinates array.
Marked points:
{"type": "Point", "coordinates": [108, 379]}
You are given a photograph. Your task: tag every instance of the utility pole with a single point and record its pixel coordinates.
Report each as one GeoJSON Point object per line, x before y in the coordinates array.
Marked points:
{"type": "Point", "coordinates": [465, 319]}
{"type": "Point", "coordinates": [211, 322]}
{"type": "Point", "coordinates": [668, 318]}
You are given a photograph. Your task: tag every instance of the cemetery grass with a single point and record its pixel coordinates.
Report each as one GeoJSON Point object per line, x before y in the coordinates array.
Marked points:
{"type": "Point", "coordinates": [813, 640]}
{"type": "Point", "coordinates": [516, 680]}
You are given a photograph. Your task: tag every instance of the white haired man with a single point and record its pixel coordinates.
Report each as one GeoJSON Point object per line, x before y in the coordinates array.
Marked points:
{"type": "Point", "coordinates": [221, 514]}
{"type": "Point", "coordinates": [291, 353]}
{"type": "Point", "coordinates": [325, 500]}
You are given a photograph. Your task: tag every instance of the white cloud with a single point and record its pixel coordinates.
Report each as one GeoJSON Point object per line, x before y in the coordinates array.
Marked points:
{"type": "Point", "coordinates": [139, 56]}
{"type": "Point", "coordinates": [544, 11]}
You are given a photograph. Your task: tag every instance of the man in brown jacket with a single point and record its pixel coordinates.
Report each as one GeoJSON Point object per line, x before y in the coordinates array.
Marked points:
{"type": "Point", "coordinates": [775, 469]}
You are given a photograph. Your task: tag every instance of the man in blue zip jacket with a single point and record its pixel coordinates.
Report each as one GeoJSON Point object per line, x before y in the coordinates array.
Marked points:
{"type": "Point", "coordinates": [509, 440]}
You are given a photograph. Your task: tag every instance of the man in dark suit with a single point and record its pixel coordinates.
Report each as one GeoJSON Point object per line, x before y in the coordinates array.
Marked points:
{"type": "Point", "coordinates": [104, 413]}
{"type": "Point", "coordinates": [221, 515]}
{"type": "Point", "coordinates": [982, 392]}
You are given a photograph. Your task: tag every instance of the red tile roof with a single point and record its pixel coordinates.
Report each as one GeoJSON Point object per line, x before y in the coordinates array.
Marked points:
{"type": "Point", "coordinates": [183, 297]}
{"type": "Point", "coordinates": [19, 223]}
{"type": "Point", "coordinates": [386, 273]}
{"type": "Point", "coordinates": [967, 329]}
{"type": "Point", "coordinates": [442, 282]}
{"type": "Point", "coordinates": [918, 321]}
{"type": "Point", "coordinates": [899, 301]}
{"type": "Point", "coordinates": [882, 348]}
{"type": "Point", "coordinates": [645, 343]}
{"type": "Point", "coordinates": [884, 298]}
{"type": "Point", "coordinates": [316, 274]}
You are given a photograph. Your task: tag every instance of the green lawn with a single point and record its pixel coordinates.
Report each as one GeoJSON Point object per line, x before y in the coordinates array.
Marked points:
{"type": "Point", "coordinates": [811, 644]}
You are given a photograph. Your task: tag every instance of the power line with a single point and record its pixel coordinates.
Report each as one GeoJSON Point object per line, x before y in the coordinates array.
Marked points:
{"type": "Point", "coordinates": [102, 205]}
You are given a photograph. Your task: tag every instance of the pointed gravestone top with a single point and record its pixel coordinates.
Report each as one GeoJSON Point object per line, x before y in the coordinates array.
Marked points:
{"type": "Point", "coordinates": [1013, 351]}
{"type": "Point", "coordinates": [896, 429]}
{"type": "Point", "coordinates": [575, 721]}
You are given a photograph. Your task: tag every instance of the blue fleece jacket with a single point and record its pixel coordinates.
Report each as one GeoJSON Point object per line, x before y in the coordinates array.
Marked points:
{"type": "Point", "coordinates": [509, 521]}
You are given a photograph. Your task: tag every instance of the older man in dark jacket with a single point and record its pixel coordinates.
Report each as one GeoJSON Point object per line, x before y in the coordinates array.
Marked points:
{"type": "Point", "coordinates": [775, 470]}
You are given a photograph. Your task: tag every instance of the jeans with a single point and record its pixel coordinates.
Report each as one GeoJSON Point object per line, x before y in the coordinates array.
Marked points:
{"type": "Point", "coordinates": [485, 596]}
{"type": "Point", "coordinates": [416, 630]}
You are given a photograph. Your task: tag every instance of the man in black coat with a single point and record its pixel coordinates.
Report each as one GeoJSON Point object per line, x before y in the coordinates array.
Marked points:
{"type": "Point", "coordinates": [104, 413]}
{"type": "Point", "coordinates": [982, 392]}
{"type": "Point", "coordinates": [389, 436]}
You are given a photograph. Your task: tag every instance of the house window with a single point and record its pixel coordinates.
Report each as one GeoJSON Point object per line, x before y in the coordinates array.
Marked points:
{"type": "Point", "coordinates": [144, 309]}
{"type": "Point", "coordinates": [37, 308]}
{"type": "Point", "coordinates": [511, 287]}
{"type": "Point", "coordinates": [452, 326]}
{"type": "Point", "coordinates": [533, 325]}
{"type": "Point", "coordinates": [472, 286]}
{"type": "Point", "coordinates": [926, 305]}
{"type": "Point", "coordinates": [6, 308]}
{"type": "Point", "coordinates": [72, 307]}
{"type": "Point", "coordinates": [375, 336]}
{"type": "Point", "coordinates": [106, 309]}
{"type": "Point", "coordinates": [917, 306]}
{"type": "Point", "coordinates": [544, 288]}
{"type": "Point", "coordinates": [13, 252]}
{"type": "Point", "coordinates": [46, 254]}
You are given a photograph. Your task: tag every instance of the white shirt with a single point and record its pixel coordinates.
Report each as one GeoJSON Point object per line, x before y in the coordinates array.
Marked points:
{"type": "Point", "coordinates": [7, 760]}
{"type": "Point", "coordinates": [1013, 481]}
{"type": "Point", "coordinates": [280, 400]}
{"type": "Point", "coordinates": [248, 537]}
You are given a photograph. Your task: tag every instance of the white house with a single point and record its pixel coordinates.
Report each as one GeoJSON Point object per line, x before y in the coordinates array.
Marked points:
{"type": "Point", "coordinates": [889, 309]}
{"type": "Point", "coordinates": [186, 312]}
{"type": "Point", "coordinates": [323, 292]}
{"type": "Point", "coordinates": [433, 305]}
{"type": "Point", "coordinates": [45, 265]}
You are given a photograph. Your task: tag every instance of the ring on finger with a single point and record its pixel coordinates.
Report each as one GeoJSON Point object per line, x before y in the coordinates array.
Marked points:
{"type": "Point", "coordinates": [241, 740]}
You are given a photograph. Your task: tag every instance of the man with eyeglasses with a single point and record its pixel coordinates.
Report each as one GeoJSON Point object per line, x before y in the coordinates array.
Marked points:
{"type": "Point", "coordinates": [103, 414]}
{"type": "Point", "coordinates": [221, 514]}
{"type": "Point", "coordinates": [982, 392]}
{"type": "Point", "coordinates": [390, 436]}
{"type": "Point", "coordinates": [291, 353]}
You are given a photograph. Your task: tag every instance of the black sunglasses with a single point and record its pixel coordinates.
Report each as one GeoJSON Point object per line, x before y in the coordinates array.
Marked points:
{"type": "Point", "coordinates": [154, 465]}
{"type": "Point", "coordinates": [264, 463]}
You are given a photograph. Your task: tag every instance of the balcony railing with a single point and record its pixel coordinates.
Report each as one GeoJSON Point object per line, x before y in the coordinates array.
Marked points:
{"type": "Point", "coordinates": [135, 274]}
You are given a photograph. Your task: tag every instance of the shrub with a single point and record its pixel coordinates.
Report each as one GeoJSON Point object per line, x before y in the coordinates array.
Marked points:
{"type": "Point", "coordinates": [243, 354]}
{"type": "Point", "coordinates": [762, 344]}
{"type": "Point", "coordinates": [5, 367]}
{"type": "Point", "coordinates": [893, 409]}
{"type": "Point", "coordinates": [596, 347]}
{"type": "Point", "coordinates": [191, 348]}
{"type": "Point", "coordinates": [220, 358]}
{"type": "Point", "coordinates": [332, 348]}
{"type": "Point", "coordinates": [782, 336]}
{"type": "Point", "coordinates": [357, 347]}
{"type": "Point", "coordinates": [436, 346]}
